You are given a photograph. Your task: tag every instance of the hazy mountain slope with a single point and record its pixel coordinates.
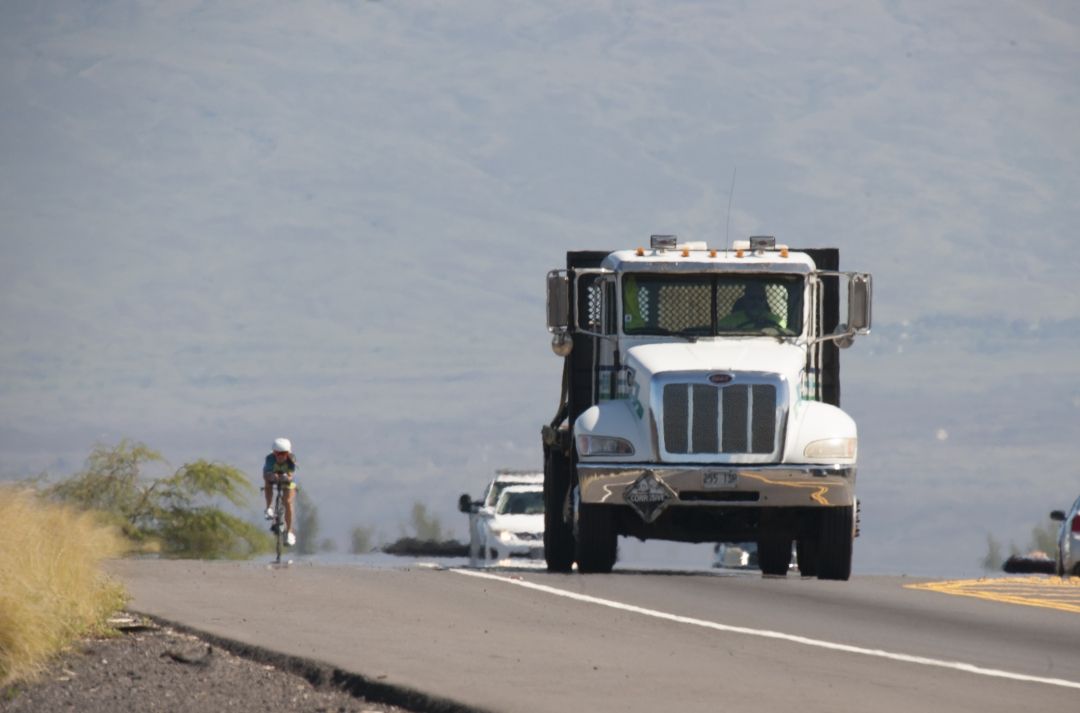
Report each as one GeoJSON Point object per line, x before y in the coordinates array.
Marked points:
{"type": "Point", "coordinates": [332, 220]}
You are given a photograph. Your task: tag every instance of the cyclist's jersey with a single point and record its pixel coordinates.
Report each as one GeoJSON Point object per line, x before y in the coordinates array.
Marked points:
{"type": "Point", "coordinates": [272, 467]}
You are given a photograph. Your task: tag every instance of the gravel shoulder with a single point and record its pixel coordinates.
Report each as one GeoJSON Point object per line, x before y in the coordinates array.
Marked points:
{"type": "Point", "coordinates": [148, 667]}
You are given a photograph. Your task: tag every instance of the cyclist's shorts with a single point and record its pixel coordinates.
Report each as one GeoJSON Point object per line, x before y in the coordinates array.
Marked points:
{"type": "Point", "coordinates": [271, 479]}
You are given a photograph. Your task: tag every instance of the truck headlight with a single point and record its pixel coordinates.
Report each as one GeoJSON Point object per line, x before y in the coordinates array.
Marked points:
{"type": "Point", "coordinates": [604, 446]}
{"type": "Point", "coordinates": [845, 448]}
{"type": "Point", "coordinates": [505, 535]}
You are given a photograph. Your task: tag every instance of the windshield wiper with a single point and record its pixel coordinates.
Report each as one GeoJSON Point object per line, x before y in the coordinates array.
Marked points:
{"type": "Point", "coordinates": [661, 332]}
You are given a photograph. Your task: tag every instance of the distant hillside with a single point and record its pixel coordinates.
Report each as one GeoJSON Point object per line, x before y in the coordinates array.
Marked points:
{"type": "Point", "coordinates": [332, 221]}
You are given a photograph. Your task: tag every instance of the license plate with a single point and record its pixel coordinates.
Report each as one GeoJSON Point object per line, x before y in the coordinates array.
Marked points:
{"type": "Point", "coordinates": [721, 479]}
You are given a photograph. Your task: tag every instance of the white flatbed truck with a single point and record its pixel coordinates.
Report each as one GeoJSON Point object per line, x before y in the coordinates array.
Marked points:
{"type": "Point", "coordinates": [701, 403]}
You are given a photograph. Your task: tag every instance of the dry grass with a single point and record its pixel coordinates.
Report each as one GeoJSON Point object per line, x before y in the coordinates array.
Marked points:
{"type": "Point", "coordinates": [52, 588]}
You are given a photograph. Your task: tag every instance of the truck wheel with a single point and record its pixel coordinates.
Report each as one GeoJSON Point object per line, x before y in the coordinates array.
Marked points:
{"type": "Point", "coordinates": [596, 539]}
{"type": "Point", "coordinates": [835, 541]}
{"type": "Point", "coordinates": [806, 554]}
{"type": "Point", "coordinates": [774, 555]}
{"type": "Point", "coordinates": [558, 533]}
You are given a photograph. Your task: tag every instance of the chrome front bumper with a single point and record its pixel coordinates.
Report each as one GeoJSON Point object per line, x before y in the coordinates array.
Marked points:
{"type": "Point", "coordinates": [653, 487]}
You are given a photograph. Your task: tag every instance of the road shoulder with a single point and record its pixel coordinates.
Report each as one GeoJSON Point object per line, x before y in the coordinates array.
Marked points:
{"type": "Point", "coordinates": [161, 668]}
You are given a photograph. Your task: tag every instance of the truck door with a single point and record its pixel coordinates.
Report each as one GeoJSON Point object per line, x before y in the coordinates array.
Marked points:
{"type": "Point", "coordinates": [826, 316]}
{"type": "Point", "coordinates": [583, 361]}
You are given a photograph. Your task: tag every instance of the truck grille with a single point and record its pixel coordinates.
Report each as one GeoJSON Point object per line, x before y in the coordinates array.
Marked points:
{"type": "Point", "coordinates": [702, 418]}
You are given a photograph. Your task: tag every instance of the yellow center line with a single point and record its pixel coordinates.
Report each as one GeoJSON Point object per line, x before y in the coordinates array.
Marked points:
{"type": "Point", "coordinates": [1045, 592]}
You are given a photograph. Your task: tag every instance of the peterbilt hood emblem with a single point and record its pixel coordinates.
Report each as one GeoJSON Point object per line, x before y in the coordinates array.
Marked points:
{"type": "Point", "coordinates": [721, 378]}
{"type": "Point", "coordinates": [649, 496]}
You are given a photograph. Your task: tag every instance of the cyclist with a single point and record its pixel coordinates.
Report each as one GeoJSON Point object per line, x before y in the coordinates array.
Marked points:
{"type": "Point", "coordinates": [280, 466]}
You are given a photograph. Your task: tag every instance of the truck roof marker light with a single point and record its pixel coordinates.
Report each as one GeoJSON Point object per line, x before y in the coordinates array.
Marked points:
{"type": "Point", "coordinates": [712, 253]}
{"type": "Point", "coordinates": [783, 251]}
{"type": "Point", "coordinates": [686, 252]}
{"type": "Point", "coordinates": [739, 252]}
{"type": "Point", "coordinates": [640, 252]}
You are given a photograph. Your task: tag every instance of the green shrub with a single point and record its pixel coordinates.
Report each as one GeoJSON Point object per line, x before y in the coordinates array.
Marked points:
{"type": "Point", "coordinates": [173, 515]}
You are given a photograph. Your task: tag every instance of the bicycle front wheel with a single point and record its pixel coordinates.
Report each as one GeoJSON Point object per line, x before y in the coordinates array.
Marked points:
{"type": "Point", "coordinates": [279, 525]}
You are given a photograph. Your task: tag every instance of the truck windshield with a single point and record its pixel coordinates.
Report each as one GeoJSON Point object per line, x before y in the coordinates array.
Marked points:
{"type": "Point", "coordinates": [712, 305]}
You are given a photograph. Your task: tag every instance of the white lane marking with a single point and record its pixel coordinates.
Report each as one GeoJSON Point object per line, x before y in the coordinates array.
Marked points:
{"type": "Point", "coordinates": [766, 634]}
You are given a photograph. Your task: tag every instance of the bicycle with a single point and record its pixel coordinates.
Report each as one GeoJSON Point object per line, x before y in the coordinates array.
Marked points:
{"type": "Point", "coordinates": [277, 523]}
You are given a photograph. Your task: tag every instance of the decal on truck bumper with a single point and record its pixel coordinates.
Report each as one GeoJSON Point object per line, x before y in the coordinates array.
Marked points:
{"type": "Point", "coordinates": [649, 496]}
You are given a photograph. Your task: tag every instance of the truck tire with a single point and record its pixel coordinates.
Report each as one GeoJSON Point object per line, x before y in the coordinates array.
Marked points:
{"type": "Point", "coordinates": [558, 533]}
{"type": "Point", "coordinates": [774, 555]}
{"type": "Point", "coordinates": [596, 539]}
{"type": "Point", "coordinates": [837, 536]}
{"type": "Point", "coordinates": [806, 555]}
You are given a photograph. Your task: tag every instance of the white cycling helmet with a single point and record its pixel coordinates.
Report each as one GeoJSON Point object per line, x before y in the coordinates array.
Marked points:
{"type": "Point", "coordinates": [282, 445]}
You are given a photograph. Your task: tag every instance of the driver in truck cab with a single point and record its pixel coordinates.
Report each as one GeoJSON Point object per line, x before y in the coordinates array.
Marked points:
{"type": "Point", "coordinates": [751, 311]}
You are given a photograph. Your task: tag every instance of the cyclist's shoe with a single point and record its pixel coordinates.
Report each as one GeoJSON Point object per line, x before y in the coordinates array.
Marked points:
{"type": "Point", "coordinates": [269, 513]}
{"type": "Point", "coordinates": [290, 539]}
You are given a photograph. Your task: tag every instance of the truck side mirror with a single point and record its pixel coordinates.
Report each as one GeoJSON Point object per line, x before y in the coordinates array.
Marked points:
{"type": "Point", "coordinates": [1058, 515]}
{"type": "Point", "coordinates": [860, 294]}
{"type": "Point", "coordinates": [558, 301]}
{"type": "Point", "coordinates": [464, 503]}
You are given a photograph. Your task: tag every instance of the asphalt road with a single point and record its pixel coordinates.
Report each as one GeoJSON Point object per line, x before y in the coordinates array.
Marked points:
{"type": "Point", "coordinates": [635, 641]}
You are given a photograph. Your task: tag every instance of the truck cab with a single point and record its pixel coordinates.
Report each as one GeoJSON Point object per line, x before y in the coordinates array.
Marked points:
{"type": "Point", "coordinates": [701, 403]}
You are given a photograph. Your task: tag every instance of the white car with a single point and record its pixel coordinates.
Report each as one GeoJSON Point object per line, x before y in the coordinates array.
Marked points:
{"type": "Point", "coordinates": [481, 511]}
{"type": "Point", "coordinates": [740, 556]}
{"type": "Point", "coordinates": [516, 527]}
{"type": "Point", "coordinates": [1068, 561]}
{"type": "Point", "coordinates": [504, 479]}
